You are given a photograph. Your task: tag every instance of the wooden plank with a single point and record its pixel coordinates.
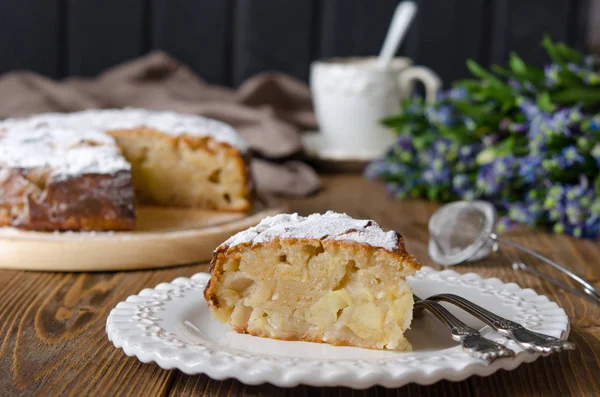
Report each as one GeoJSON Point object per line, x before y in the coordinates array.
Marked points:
{"type": "Point", "coordinates": [579, 23]}
{"type": "Point", "coordinates": [273, 35]}
{"type": "Point", "coordinates": [592, 37]}
{"type": "Point", "coordinates": [52, 338]}
{"type": "Point", "coordinates": [103, 33]}
{"type": "Point", "coordinates": [354, 27]}
{"type": "Point", "coordinates": [447, 33]}
{"type": "Point", "coordinates": [30, 36]}
{"type": "Point", "coordinates": [197, 32]}
{"type": "Point", "coordinates": [520, 26]}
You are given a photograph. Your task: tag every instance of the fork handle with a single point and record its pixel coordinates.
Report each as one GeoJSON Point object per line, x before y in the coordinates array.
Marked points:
{"type": "Point", "coordinates": [458, 329]}
{"type": "Point", "coordinates": [529, 340]}
{"type": "Point", "coordinates": [470, 339]}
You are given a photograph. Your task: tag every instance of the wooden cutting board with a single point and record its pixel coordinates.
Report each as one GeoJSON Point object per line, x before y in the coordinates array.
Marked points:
{"type": "Point", "coordinates": [163, 237]}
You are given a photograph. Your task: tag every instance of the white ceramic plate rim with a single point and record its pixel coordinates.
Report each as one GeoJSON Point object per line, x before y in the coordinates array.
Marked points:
{"type": "Point", "coordinates": [135, 326]}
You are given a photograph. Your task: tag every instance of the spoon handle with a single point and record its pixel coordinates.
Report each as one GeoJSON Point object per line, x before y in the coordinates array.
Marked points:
{"type": "Point", "coordinates": [403, 16]}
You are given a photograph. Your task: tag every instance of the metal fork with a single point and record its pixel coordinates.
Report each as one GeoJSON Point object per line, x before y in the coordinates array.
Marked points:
{"type": "Point", "coordinates": [529, 340]}
{"type": "Point", "coordinates": [470, 339]}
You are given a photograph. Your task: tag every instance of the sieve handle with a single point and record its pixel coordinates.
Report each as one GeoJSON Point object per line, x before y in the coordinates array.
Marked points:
{"type": "Point", "coordinates": [586, 289]}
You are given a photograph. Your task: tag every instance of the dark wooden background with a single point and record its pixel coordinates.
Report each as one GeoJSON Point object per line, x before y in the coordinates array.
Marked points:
{"type": "Point", "coordinates": [226, 41]}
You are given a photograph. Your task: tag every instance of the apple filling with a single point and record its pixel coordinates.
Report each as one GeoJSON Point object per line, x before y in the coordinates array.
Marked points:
{"type": "Point", "coordinates": [314, 290]}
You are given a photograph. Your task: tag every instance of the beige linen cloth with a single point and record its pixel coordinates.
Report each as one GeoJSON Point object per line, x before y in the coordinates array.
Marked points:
{"type": "Point", "coordinates": [269, 110]}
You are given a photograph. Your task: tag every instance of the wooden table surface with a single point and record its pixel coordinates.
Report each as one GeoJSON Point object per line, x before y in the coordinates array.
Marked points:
{"type": "Point", "coordinates": [52, 338]}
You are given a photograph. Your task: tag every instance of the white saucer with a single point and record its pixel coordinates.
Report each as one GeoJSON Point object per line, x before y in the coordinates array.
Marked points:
{"type": "Point", "coordinates": [171, 325]}
{"type": "Point", "coordinates": [320, 151]}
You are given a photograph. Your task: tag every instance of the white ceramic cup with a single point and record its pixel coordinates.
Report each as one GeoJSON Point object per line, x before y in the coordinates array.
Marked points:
{"type": "Point", "coordinates": [352, 95]}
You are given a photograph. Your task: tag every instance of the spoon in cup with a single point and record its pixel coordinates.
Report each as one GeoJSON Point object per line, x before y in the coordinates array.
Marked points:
{"type": "Point", "coordinates": [403, 17]}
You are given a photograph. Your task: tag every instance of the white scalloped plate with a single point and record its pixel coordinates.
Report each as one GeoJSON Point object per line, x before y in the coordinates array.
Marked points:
{"type": "Point", "coordinates": [171, 325]}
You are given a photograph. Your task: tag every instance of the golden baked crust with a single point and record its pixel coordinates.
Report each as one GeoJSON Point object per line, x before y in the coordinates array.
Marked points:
{"type": "Point", "coordinates": [84, 171]}
{"type": "Point", "coordinates": [31, 199]}
{"type": "Point", "coordinates": [320, 290]}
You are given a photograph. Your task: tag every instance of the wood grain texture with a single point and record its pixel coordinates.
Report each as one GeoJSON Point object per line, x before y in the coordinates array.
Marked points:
{"type": "Point", "coordinates": [519, 26]}
{"type": "Point", "coordinates": [353, 27]}
{"type": "Point", "coordinates": [52, 339]}
{"type": "Point", "coordinates": [162, 237]}
{"type": "Point", "coordinates": [447, 33]}
{"type": "Point", "coordinates": [227, 41]}
{"type": "Point", "coordinates": [273, 35]}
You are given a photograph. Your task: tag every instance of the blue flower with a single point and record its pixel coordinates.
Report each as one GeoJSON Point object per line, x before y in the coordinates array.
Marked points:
{"type": "Point", "coordinates": [591, 61]}
{"type": "Point", "coordinates": [383, 169]}
{"type": "Point", "coordinates": [529, 86]}
{"type": "Point", "coordinates": [470, 123]}
{"type": "Point", "coordinates": [567, 157]}
{"type": "Point", "coordinates": [530, 168]}
{"type": "Point", "coordinates": [441, 115]}
{"type": "Point", "coordinates": [375, 169]}
{"type": "Point", "coordinates": [457, 93]}
{"type": "Point", "coordinates": [573, 67]}
{"type": "Point", "coordinates": [573, 212]}
{"type": "Point", "coordinates": [503, 166]}
{"type": "Point", "coordinates": [460, 182]}
{"type": "Point", "coordinates": [487, 182]}
{"type": "Point", "coordinates": [527, 186]}
{"type": "Point", "coordinates": [434, 176]}
{"type": "Point", "coordinates": [514, 84]}
{"type": "Point", "coordinates": [554, 198]}
{"type": "Point", "coordinates": [559, 123]}
{"type": "Point", "coordinates": [466, 151]}
{"type": "Point", "coordinates": [594, 125]}
{"type": "Point", "coordinates": [404, 142]}
{"type": "Point", "coordinates": [413, 108]}
{"type": "Point", "coordinates": [519, 212]}
{"type": "Point", "coordinates": [517, 127]}
{"type": "Point", "coordinates": [571, 155]}
{"type": "Point", "coordinates": [555, 214]}
{"type": "Point", "coordinates": [468, 195]}
{"type": "Point", "coordinates": [492, 177]}
{"type": "Point", "coordinates": [489, 140]}
{"type": "Point", "coordinates": [504, 224]}
{"type": "Point", "coordinates": [573, 192]}
{"type": "Point", "coordinates": [575, 115]}
{"type": "Point", "coordinates": [394, 168]}
{"type": "Point", "coordinates": [529, 108]}
{"type": "Point", "coordinates": [508, 124]}
{"type": "Point", "coordinates": [441, 146]}
{"type": "Point", "coordinates": [426, 157]}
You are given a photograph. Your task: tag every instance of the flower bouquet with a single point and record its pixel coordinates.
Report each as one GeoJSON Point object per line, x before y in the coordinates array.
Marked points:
{"type": "Point", "coordinates": [525, 139]}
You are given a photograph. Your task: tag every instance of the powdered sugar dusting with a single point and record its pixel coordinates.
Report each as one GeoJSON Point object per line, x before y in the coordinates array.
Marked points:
{"type": "Point", "coordinates": [66, 151]}
{"type": "Point", "coordinates": [172, 123]}
{"type": "Point", "coordinates": [72, 144]}
{"type": "Point", "coordinates": [328, 226]}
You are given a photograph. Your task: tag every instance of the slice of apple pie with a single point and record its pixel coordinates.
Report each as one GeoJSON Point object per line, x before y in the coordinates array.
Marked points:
{"type": "Point", "coordinates": [322, 278]}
